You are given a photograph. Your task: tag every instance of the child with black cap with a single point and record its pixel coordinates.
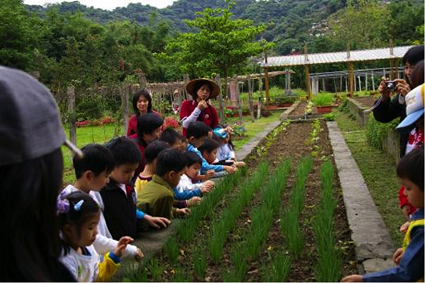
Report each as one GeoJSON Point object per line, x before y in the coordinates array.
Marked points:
{"type": "Point", "coordinates": [31, 169]}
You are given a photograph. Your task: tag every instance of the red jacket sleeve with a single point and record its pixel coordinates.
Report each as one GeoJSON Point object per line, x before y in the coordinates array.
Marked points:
{"type": "Point", "coordinates": [132, 126]}
{"type": "Point", "coordinates": [185, 109]}
{"type": "Point", "coordinates": [215, 122]}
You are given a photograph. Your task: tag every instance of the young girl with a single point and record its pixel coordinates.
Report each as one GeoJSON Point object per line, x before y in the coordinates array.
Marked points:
{"type": "Point", "coordinates": [225, 152]}
{"type": "Point", "coordinates": [79, 215]}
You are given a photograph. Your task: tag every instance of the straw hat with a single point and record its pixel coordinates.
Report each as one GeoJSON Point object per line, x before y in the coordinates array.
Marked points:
{"type": "Point", "coordinates": [215, 89]}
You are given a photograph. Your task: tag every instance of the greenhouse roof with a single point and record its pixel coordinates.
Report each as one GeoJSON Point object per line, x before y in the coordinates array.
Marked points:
{"type": "Point", "coordinates": [336, 57]}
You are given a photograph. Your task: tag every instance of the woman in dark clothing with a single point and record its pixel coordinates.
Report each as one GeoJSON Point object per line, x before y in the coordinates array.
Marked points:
{"type": "Point", "coordinates": [386, 109]}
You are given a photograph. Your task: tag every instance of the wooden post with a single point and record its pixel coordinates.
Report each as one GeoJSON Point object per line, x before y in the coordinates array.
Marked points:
{"type": "Point", "coordinates": [323, 85]}
{"type": "Point", "coordinates": [125, 91]}
{"type": "Point", "coordinates": [70, 91]}
{"type": "Point", "coordinates": [351, 80]}
{"type": "Point", "coordinates": [266, 79]}
{"type": "Point", "coordinates": [307, 81]}
{"type": "Point", "coordinates": [360, 83]}
{"type": "Point", "coordinates": [220, 98]}
{"type": "Point", "coordinates": [365, 78]}
{"type": "Point", "coordinates": [238, 100]}
{"type": "Point", "coordinates": [186, 81]}
{"type": "Point", "coordinates": [373, 82]}
{"type": "Point", "coordinates": [251, 108]}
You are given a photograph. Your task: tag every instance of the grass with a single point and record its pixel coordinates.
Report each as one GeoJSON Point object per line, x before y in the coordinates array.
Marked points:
{"type": "Point", "coordinates": [279, 269]}
{"type": "Point", "coordinates": [379, 171]}
{"type": "Point", "coordinates": [329, 264]}
{"type": "Point", "coordinates": [86, 135]}
{"type": "Point", "coordinates": [253, 128]}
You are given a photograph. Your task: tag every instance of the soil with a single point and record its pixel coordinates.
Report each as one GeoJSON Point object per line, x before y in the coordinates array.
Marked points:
{"type": "Point", "coordinates": [289, 144]}
{"type": "Point", "coordinates": [299, 111]}
{"type": "Point", "coordinates": [366, 101]}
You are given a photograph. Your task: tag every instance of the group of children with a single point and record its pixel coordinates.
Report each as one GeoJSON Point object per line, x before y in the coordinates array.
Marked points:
{"type": "Point", "coordinates": [109, 204]}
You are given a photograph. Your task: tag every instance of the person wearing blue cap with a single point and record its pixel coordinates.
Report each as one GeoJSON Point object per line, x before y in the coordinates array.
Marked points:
{"type": "Point", "coordinates": [413, 127]}
{"type": "Point", "coordinates": [31, 170]}
{"type": "Point", "coordinates": [226, 152]}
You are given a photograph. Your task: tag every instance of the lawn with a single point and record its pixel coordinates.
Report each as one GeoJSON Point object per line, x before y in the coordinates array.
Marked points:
{"type": "Point", "coordinates": [379, 171]}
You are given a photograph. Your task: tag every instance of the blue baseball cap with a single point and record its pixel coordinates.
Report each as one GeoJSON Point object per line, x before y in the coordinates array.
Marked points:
{"type": "Point", "coordinates": [414, 109]}
{"type": "Point", "coordinates": [220, 132]}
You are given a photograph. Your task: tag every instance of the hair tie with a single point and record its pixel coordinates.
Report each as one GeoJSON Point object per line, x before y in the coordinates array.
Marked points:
{"type": "Point", "coordinates": [78, 205]}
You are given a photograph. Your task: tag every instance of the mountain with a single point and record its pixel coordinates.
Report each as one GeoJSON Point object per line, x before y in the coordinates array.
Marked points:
{"type": "Point", "coordinates": [290, 20]}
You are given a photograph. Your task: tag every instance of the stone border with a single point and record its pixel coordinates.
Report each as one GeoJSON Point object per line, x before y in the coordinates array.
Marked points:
{"type": "Point", "coordinates": [374, 246]}
{"type": "Point", "coordinates": [359, 110]}
{"type": "Point", "coordinates": [391, 143]}
{"type": "Point", "coordinates": [288, 111]}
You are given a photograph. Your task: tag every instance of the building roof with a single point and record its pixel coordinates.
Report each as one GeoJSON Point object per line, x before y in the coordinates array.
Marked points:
{"type": "Point", "coordinates": [336, 57]}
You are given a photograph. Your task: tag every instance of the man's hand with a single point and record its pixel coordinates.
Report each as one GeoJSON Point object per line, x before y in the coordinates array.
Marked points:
{"type": "Point", "coordinates": [402, 87]}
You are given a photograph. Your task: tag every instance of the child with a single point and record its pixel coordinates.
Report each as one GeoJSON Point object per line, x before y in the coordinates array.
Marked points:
{"type": "Point", "coordinates": [119, 196]}
{"type": "Point", "coordinates": [173, 139]}
{"type": "Point", "coordinates": [151, 154]}
{"type": "Point", "coordinates": [195, 135]}
{"type": "Point", "coordinates": [192, 170]}
{"type": "Point", "coordinates": [92, 174]}
{"type": "Point", "coordinates": [226, 150]}
{"type": "Point", "coordinates": [413, 124]}
{"type": "Point", "coordinates": [79, 217]}
{"type": "Point", "coordinates": [148, 130]}
{"type": "Point", "coordinates": [157, 196]}
{"type": "Point", "coordinates": [209, 152]}
{"type": "Point", "coordinates": [410, 258]}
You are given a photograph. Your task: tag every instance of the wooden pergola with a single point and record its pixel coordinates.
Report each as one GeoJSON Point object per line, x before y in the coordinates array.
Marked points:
{"type": "Point", "coordinates": [393, 54]}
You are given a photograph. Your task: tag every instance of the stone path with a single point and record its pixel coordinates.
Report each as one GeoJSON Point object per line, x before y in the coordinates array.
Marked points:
{"type": "Point", "coordinates": [374, 246]}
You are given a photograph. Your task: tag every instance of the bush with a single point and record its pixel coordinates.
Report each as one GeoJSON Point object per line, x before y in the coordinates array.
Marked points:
{"type": "Point", "coordinates": [376, 132]}
{"type": "Point", "coordinates": [323, 99]}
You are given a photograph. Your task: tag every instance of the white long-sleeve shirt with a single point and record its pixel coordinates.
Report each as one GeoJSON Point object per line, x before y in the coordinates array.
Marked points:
{"type": "Point", "coordinates": [186, 184]}
{"type": "Point", "coordinates": [104, 242]}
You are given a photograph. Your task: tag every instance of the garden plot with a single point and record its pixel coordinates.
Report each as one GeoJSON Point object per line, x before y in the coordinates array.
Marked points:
{"type": "Point", "coordinates": [241, 233]}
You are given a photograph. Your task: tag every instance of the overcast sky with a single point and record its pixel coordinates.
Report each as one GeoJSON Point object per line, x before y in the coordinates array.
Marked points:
{"type": "Point", "coordinates": [106, 4]}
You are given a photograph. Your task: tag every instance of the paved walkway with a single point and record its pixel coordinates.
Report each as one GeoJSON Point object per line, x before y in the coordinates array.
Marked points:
{"type": "Point", "coordinates": [374, 246]}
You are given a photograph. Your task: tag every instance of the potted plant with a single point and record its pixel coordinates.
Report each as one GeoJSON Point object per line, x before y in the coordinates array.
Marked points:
{"type": "Point", "coordinates": [323, 102]}
{"type": "Point", "coordinates": [286, 101]}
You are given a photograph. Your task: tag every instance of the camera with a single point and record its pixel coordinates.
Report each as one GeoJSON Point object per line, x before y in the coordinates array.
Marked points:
{"type": "Point", "coordinates": [390, 84]}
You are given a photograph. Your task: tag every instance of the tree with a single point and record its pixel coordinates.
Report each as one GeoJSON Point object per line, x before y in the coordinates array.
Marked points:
{"type": "Point", "coordinates": [221, 45]}
{"type": "Point", "coordinates": [363, 25]}
{"type": "Point", "coordinates": [16, 37]}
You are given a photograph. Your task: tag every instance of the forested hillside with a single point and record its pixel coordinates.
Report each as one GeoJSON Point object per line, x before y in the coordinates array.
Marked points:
{"type": "Point", "coordinates": [70, 43]}
{"type": "Point", "coordinates": [289, 19]}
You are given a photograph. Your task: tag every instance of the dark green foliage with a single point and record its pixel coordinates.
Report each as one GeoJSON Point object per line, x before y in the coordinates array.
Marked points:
{"type": "Point", "coordinates": [377, 132]}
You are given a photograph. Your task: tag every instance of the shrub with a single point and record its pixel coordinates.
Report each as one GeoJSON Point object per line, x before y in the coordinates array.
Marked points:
{"type": "Point", "coordinates": [376, 132]}
{"type": "Point", "coordinates": [323, 99]}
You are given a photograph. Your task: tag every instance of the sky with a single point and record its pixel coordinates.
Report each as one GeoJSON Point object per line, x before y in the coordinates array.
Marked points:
{"type": "Point", "coordinates": [106, 4]}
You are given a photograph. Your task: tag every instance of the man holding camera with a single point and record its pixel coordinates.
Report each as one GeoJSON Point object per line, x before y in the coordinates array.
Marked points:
{"type": "Point", "coordinates": [386, 109]}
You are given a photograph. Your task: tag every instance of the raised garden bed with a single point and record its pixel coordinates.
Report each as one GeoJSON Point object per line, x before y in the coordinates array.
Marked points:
{"type": "Point", "coordinates": [253, 245]}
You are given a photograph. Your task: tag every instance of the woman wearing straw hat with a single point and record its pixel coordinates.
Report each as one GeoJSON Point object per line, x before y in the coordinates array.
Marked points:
{"type": "Point", "coordinates": [198, 109]}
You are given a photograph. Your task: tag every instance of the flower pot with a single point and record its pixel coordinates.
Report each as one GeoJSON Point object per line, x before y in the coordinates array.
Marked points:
{"type": "Point", "coordinates": [324, 109]}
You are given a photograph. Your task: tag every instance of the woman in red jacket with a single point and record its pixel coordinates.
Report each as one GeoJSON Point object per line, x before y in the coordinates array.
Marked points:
{"type": "Point", "coordinates": [198, 109]}
{"type": "Point", "coordinates": [142, 104]}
